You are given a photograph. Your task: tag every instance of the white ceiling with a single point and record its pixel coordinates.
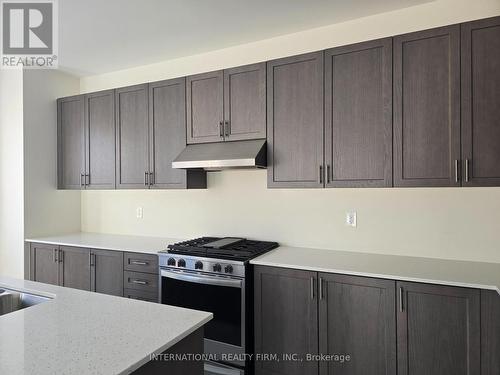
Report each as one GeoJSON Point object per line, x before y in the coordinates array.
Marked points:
{"type": "Point", "coordinates": [98, 36]}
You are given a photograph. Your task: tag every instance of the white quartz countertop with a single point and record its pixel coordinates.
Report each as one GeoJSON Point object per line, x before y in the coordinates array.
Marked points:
{"type": "Point", "coordinates": [425, 270]}
{"type": "Point", "coordinates": [136, 244]}
{"type": "Point", "coordinates": [79, 332]}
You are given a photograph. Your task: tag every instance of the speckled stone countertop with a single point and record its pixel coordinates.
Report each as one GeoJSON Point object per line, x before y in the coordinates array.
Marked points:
{"type": "Point", "coordinates": [79, 332]}
{"type": "Point", "coordinates": [136, 244]}
{"type": "Point", "coordinates": [424, 270]}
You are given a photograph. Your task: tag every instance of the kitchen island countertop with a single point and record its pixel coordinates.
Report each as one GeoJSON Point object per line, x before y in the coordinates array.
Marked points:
{"type": "Point", "coordinates": [79, 332]}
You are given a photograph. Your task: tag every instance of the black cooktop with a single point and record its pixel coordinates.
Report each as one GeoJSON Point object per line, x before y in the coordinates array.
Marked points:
{"type": "Point", "coordinates": [239, 249]}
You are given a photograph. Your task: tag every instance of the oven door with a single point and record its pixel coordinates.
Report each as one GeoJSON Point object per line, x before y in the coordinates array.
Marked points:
{"type": "Point", "coordinates": [220, 295]}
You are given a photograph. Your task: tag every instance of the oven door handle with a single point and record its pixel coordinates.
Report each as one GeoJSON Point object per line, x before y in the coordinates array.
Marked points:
{"type": "Point", "coordinates": [202, 279]}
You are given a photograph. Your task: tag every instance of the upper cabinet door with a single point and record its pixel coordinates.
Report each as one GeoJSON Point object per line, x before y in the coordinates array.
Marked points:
{"type": "Point", "coordinates": [427, 108]}
{"type": "Point", "coordinates": [132, 139]}
{"type": "Point", "coordinates": [245, 102]}
{"type": "Point", "coordinates": [295, 119]}
{"type": "Point", "coordinates": [357, 316]}
{"type": "Point", "coordinates": [100, 140]}
{"type": "Point", "coordinates": [71, 142]}
{"type": "Point", "coordinates": [438, 330]}
{"type": "Point", "coordinates": [358, 115]}
{"type": "Point", "coordinates": [167, 117]}
{"type": "Point", "coordinates": [480, 102]}
{"type": "Point", "coordinates": [205, 107]}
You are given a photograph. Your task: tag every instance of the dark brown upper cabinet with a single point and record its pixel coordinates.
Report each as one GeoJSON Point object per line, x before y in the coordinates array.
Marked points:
{"type": "Point", "coordinates": [71, 142]}
{"type": "Point", "coordinates": [358, 115]}
{"type": "Point", "coordinates": [295, 121]}
{"type": "Point", "coordinates": [286, 319]}
{"type": "Point", "coordinates": [100, 140]}
{"type": "Point", "coordinates": [245, 102]}
{"type": "Point", "coordinates": [357, 316]}
{"type": "Point", "coordinates": [227, 105]}
{"type": "Point", "coordinates": [480, 102]}
{"type": "Point", "coordinates": [438, 330]}
{"type": "Point", "coordinates": [427, 108]}
{"type": "Point", "coordinates": [132, 138]}
{"type": "Point", "coordinates": [205, 115]}
{"type": "Point", "coordinates": [167, 136]}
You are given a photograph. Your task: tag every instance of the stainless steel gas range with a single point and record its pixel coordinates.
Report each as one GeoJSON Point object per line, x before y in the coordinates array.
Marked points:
{"type": "Point", "coordinates": [213, 274]}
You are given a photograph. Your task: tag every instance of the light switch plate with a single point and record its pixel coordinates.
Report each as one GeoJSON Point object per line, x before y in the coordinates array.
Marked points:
{"type": "Point", "coordinates": [351, 219]}
{"type": "Point", "coordinates": [139, 212]}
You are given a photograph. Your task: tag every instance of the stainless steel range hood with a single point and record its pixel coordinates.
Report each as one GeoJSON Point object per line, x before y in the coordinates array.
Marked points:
{"type": "Point", "coordinates": [223, 155]}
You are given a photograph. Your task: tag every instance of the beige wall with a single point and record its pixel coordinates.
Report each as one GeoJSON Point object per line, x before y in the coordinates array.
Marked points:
{"type": "Point", "coordinates": [47, 210]}
{"type": "Point", "coordinates": [11, 173]}
{"type": "Point", "coordinates": [443, 223]}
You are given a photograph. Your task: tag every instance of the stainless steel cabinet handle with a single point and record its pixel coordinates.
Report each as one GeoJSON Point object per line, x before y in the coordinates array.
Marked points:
{"type": "Point", "coordinates": [141, 282]}
{"type": "Point", "coordinates": [401, 296]}
{"type": "Point", "coordinates": [87, 179]}
{"type": "Point", "coordinates": [227, 127]}
{"type": "Point", "coordinates": [328, 174]}
{"type": "Point", "coordinates": [312, 288]}
{"type": "Point", "coordinates": [92, 259]}
{"type": "Point", "coordinates": [82, 180]}
{"type": "Point", "coordinates": [466, 170]}
{"type": "Point", "coordinates": [456, 170]}
{"type": "Point", "coordinates": [320, 174]}
{"type": "Point", "coordinates": [221, 129]}
{"type": "Point", "coordinates": [320, 288]}
{"type": "Point", "coordinates": [146, 178]}
{"type": "Point", "coordinates": [151, 179]}
{"type": "Point", "coordinates": [61, 256]}
{"type": "Point", "coordinates": [54, 255]}
{"type": "Point", "coordinates": [139, 263]}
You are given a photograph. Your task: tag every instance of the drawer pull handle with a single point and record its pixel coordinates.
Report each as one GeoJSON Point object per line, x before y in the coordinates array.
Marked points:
{"type": "Point", "coordinates": [139, 263]}
{"type": "Point", "coordinates": [141, 282]}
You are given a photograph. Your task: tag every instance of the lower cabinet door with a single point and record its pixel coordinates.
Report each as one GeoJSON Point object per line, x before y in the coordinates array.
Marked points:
{"type": "Point", "coordinates": [438, 330]}
{"type": "Point", "coordinates": [357, 318]}
{"type": "Point", "coordinates": [286, 321]}
{"type": "Point", "coordinates": [107, 272]}
{"type": "Point", "coordinates": [74, 267]}
{"type": "Point", "coordinates": [490, 332]}
{"type": "Point", "coordinates": [44, 264]}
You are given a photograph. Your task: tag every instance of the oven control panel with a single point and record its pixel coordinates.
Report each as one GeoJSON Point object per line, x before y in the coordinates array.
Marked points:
{"type": "Point", "coordinates": [206, 265]}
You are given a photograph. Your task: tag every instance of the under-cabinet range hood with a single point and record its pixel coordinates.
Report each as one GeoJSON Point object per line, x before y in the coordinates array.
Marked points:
{"type": "Point", "coordinates": [223, 155]}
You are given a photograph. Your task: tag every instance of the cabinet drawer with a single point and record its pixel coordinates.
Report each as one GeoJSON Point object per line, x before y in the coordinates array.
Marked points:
{"type": "Point", "coordinates": [141, 262]}
{"type": "Point", "coordinates": [145, 282]}
{"type": "Point", "coordinates": [140, 295]}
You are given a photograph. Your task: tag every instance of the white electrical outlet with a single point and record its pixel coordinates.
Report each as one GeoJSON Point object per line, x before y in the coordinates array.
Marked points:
{"type": "Point", "coordinates": [139, 213]}
{"type": "Point", "coordinates": [351, 219]}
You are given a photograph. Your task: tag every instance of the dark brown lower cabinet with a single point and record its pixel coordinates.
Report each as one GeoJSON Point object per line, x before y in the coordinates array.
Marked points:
{"type": "Point", "coordinates": [438, 330]}
{"type": "Point", "coordinates": [490, 332]}
{"type": "Point", "coordinates": [107, 272]}
{"type": "Point", "coordinates": [74, 267]}
{"type": "Point", "coordinates": [44, 266]}
{"type": "Point", "coordinates": [286, 320]}
{"type": "Point", "coordinates": [357, 318]}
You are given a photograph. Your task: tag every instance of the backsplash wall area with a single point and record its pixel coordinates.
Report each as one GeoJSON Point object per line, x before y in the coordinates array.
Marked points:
{"type": "Point", "coordinates": [456, 223]}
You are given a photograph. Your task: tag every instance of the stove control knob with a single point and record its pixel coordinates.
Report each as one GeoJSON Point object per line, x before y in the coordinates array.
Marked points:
{"type": "Point", "coordinates": [228, 269]}
{"type": "Point", "coordinates": [217, 267]}
{"type": "Point", "coordinates": [171, 262]}
{"type": "Point", "coordinates": [181, 263]}
{"type": "Point", "coordinates": [198, 265]}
